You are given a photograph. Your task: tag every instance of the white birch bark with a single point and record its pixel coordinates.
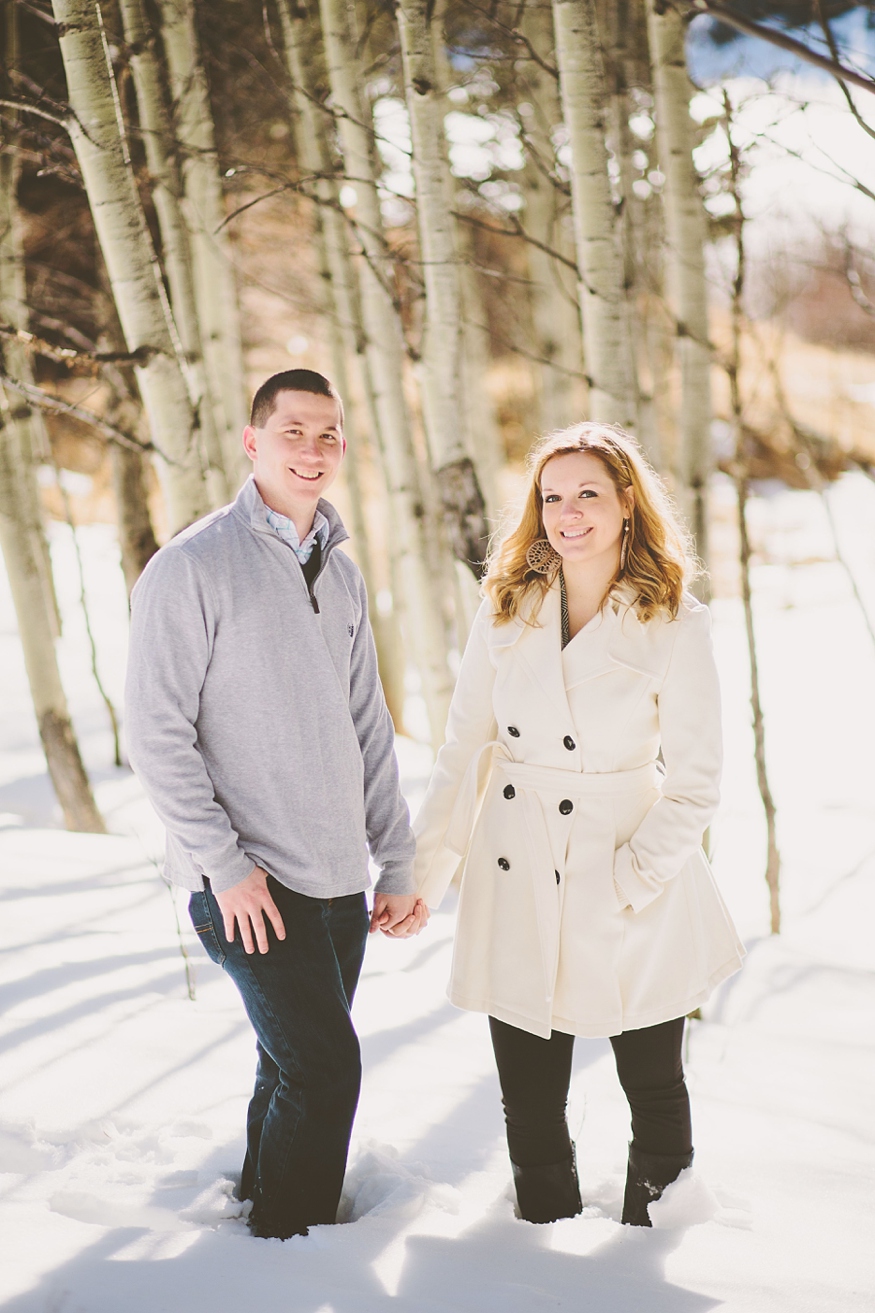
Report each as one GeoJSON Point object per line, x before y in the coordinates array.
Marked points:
{"type": "Point", "coordinates": [555, 312]}
{"type": "Point", "coordinates": [423, 592]}
{"type": "Point", "coordinates": [130, 481]}
{"type": "Point", "coordinates": [483, 438]}
{"type": "Point", "coordinates": [157, 134]}
{"type": "Point", "coordinates": [607, 340]}
{"type": "Point", "coordinates": [215, 282]}
{"type": "Point", "coordinates": [97, 135]}
{"type": "Point", "coordinates": [36, 629]}
{"type": "Point", "coordinates": [456, 477]}
{"type": "Point", "coordinates": [28, 426]}
{"type": "Point", "coordinates": [345, 332]}
{"type": "Point", "coordinates": [685, 259]}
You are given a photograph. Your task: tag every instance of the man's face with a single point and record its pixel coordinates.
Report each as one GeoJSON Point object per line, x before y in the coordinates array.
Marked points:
{"type": "Point", "coordinates": [296, 455]}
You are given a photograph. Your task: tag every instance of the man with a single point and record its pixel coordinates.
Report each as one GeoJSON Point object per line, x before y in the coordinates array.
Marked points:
{"type": "Point", "coordinates": [257, 724]}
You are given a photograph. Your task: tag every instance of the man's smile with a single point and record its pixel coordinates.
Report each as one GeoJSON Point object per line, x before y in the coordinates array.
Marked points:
{"type": "Point", "coordinates": [310, 478]}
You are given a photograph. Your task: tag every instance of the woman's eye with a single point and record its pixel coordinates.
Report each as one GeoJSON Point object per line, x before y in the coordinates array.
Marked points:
{"type": "Point", "coordinates": [588, 492]}
{"type": "Point", "coordinates": [551, 496]}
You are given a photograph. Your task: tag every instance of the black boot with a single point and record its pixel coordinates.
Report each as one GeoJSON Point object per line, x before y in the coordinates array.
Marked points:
{"type": "Point", "coordinates": [647, 1175]}
{"type": "Point", "coordinates": [548, 1191]}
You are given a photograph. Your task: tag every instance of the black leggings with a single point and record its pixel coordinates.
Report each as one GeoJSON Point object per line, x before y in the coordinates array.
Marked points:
{"type": "Point", "coordinates": [535, 1075]}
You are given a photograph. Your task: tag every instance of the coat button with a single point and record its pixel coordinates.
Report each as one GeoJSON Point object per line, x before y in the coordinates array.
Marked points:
{"type": "Point", "coordinates": [569, 743]}
{"type": "Point", "coordinates": [558, 877]}
{"type": "Point", "coordinates": [503, 864]}
{"type": "Point", "coordinates": [509, 791]}
{"type": "Point", "coordinates": [513, 731]}
{"type": "Point", "coordinates": [566, 806]}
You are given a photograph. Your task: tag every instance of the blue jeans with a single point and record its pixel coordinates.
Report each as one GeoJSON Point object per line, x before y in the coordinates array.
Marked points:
{"type": "Point", "coordinates": [298, 997]}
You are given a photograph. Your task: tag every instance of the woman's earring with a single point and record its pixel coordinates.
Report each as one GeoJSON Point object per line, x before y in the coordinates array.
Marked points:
{"type": "Point", "coordinates": [542, 557]}
{"type": "Point", "coordinates": [625, 545]}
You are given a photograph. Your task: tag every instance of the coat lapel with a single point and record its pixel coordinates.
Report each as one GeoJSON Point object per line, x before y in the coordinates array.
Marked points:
{"type": "Point", "coordinates": [540, 650]}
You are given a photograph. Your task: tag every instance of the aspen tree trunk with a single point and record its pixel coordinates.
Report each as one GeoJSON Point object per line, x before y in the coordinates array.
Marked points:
{"type": "Point", "coordinates": [624, 24]}
{"type": "Point", "coordinates": [461, 498]}
{"type": "Point", "coordinates": [346, 336]}
{"type": "Point", "coordinates": [97, 134]}
{"type": "Point", "coordinates": [741, 478]}
{"type": "Point", "coordinates": [483, 435]}
{"type": "Point", "coordinates": [555, 311]}
{"type": "Point", "coordinates": [37, 630]}
{"type": "Point", "coordinates": [606, 335]}
{"type": "Point", "coordinates": [423, 592]}
{"type": "Point", "coordinates": [483, 439]}
{"type": "Point", "coordinates": [166, 193]}
{"type": "Point", "coordinates": [137, 542]}
{"type": "Point", "coordinates": [27, 425]}
{"type": "Point", "coordinates": [215, 283]}
{"type": "Point", "coordinates": [685, 232]}
{"type": "Point", "coordinates": [136, 535]}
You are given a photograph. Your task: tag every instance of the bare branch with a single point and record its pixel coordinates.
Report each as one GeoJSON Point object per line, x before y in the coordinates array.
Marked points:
{"type": "Point", "coordinates": [39, 13]}
{"type": "Point", "coordinates": [519, 232]}
{"type": "Point", "coordinates": [834, 51]}
{"type": "Point", "coordinates": [36, 396]}
{"type": "Point", "coordinates": [71, 358]}
{"type": "Point", "coordinates": [718, 9]}
{"type": "Point", "coordinates": [519, 38]}
{"type": "Point", "coordinates": [34, 109]}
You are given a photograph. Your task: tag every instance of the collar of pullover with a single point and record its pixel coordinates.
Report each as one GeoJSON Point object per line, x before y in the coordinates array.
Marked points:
{"type": "Point", "coordinates": [249, 505]}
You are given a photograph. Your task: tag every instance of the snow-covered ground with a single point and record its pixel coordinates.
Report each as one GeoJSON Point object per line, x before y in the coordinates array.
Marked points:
{"type": "Point", "coordinates": [123, 1098]}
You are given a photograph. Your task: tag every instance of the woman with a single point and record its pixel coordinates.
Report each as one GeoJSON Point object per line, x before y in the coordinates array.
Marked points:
{"type": "Point", "coordinates": [579, 774]}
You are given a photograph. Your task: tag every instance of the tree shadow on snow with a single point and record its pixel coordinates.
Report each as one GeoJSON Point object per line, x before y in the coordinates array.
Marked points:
{"type": "Point", "coordinates": [498, 1264]}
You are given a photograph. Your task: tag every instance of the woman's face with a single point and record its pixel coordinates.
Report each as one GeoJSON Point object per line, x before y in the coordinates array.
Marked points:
{"type": "Point", "coordinates": [582, 511]}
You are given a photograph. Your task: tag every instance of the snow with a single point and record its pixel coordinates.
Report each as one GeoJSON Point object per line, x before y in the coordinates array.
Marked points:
{"type": "Point", "coordinates": [123, 1100]}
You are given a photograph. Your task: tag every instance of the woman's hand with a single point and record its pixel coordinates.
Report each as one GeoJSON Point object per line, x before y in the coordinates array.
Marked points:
{"type": "Point", "coordinates": [398, 915]}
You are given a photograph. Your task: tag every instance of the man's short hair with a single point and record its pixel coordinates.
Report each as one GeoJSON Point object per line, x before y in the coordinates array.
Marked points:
{"type": "Point", "coordinates": [290, 380]}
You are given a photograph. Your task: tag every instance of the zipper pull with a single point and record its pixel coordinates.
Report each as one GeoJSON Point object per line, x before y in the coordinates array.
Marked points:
{"type": "Point", "coordinates": [314, 603]}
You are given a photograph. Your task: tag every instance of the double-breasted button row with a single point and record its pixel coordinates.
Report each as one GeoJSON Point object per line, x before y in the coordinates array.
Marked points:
{"type": "Point", "coordinates": [566, 806]}
{"type": "Point", "coordinates": [503, 864]}
{"type": "Point", "coordinates": [569, 743]}
{"type": "Point", "coordinates": [513, 731]}
{"type": "Point", "coordinates": [509, 791]}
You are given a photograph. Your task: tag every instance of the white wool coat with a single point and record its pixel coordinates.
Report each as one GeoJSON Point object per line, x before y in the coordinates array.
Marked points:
{"type": "Point", "coordinates": [587, 904]}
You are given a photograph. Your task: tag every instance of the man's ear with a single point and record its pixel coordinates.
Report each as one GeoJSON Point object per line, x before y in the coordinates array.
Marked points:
{"type": "Point", "coordinates": [249, 442]}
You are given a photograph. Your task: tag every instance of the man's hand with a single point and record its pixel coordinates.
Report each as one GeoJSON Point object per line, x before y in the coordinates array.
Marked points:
{"type": "Point", "coordinates": [398, 915]}
{"type": "Point", "coordinates": [246, 906]}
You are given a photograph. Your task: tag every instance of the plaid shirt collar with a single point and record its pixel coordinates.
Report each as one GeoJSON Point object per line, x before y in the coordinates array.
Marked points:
{"type": "Point", "coordinates": [285, 529]}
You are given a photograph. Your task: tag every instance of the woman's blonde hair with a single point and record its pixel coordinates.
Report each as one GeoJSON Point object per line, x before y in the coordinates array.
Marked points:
{"type": "Point", "coordinates": [659, 558]}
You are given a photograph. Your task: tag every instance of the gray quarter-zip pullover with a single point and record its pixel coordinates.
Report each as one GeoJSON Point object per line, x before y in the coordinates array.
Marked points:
{"type": "Point", "coordinates": [254, 713]}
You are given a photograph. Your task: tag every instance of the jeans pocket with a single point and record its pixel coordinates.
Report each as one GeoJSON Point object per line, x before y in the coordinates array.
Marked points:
{"type": "Point", "coordinates": [202, 920]}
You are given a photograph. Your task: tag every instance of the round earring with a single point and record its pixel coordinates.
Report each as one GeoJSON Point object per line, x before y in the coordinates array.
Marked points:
{"type": "Point", "coordinates": [624, 549]}
{"type": "Point", "coordinates": [542, 557]}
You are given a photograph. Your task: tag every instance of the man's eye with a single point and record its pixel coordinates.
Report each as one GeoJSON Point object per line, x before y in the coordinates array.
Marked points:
{"type": "Point", "coordinates": [329, 437]}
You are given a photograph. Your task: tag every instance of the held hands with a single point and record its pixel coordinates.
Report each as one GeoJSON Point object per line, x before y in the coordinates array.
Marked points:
{"type": "Point", "coordinates": [398, 915]}
{"type": "Point", "coordinates": [245, 907]}
{"type": "Point", "coordinates": [248, 904]}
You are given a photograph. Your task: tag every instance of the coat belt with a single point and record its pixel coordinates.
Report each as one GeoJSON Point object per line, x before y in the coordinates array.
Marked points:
{"type": "Point", "coordinates": [534, 779]}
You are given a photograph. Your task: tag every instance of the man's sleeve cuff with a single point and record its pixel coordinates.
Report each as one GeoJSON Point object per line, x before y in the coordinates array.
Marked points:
{"type": "Point", "coordinates": [396, 878]}
{"type": "Point", "coordinates": [232, 870]}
